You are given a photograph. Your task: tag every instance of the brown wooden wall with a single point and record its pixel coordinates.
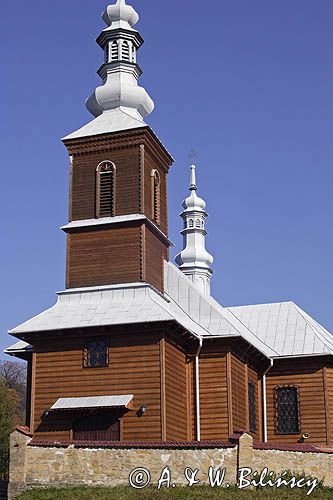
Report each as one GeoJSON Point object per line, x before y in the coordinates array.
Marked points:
{"type": "Point", "coordinates": [83, 182]}
{"type": "Point", "coordinates": [213, 397]}
{"type": "Point", "coordinates": [151, 162]}
{"type": "Point", "coordinates": [239, 393]}
{"type": "Point", "coordinates": [308, 376]}
{"type": "Point", "coordinates": [135, 155]}
{"type": "Point", "coordinates": [253, 377]}
{"type": "Point", "coordinates": [155, 252]}
{"type": "Point", "coordinates": [177, 400]}
{"type": "Point", "coordinates": [104, 257]}
{"type": "Point", "coordinates": [134, 368]}
{"type": "Point", "coordinates": [328, 383]}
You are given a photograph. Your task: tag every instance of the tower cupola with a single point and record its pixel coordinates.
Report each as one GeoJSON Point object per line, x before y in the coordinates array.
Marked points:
{"type": "Point", "coordinates": [194, 260]}
{"type": "Point", "coordinates": [120, 71]}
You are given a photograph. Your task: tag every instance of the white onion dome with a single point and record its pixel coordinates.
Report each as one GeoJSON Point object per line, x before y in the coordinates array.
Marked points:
{"type": "Point", "coordinates": [194, 202]}
{"type": "Point", "coordinates": [120, 15]}
{"type": "Point", "coordinates": [120, 72]}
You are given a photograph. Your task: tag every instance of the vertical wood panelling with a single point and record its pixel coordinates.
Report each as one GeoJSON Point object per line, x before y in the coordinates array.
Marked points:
{"type": "Point", "coordinates": [176, 387]}
{"type": "Point", "coordinates": [134, 368]}
{"type": "Point", "coordinates": [213, 397]}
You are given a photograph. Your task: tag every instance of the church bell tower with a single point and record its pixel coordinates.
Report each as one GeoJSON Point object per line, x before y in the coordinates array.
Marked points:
{"type": "Point", "coordinates": [118, 228]}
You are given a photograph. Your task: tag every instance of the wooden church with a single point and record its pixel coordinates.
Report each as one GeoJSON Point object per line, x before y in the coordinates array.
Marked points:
{"type": "Point", "coordinates": [136, 348]}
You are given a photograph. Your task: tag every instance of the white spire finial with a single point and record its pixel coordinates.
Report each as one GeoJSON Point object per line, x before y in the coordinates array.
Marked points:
{"type": "Point", "coordinates": [194, 260]}
{"type": "Point", "coordinates": [193, 183]}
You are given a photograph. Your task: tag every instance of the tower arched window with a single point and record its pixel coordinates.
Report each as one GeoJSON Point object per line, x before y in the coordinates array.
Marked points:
{"type": "Point", "coordinates": [191, 223]}
{"type": "Point", "coordinates": [105, 189]}
{"type": "Point", "coordinates": [125, 51]}
{"type": "Point", "coordinates": [197, 223]}
{"type": "Point", "coordinates": [156, 195]}
{"type": "Point", "coordinates": [114, 51]}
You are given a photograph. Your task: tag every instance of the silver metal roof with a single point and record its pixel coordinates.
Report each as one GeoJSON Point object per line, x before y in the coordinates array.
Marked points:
{"type": "Point", "coordinates": [92, 402]}
{"type": "Point", "coordinates": [286, 328]}
{"type": "Point", "coordinates": [276, 330]}
{"type": "Point", "coordinates": [114, 120]}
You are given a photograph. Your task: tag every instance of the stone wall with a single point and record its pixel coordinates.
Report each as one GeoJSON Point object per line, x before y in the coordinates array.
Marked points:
{"type": "Point", "coordinates": [69, 465]}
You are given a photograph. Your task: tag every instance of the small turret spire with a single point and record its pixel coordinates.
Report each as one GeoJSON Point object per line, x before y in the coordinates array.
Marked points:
{"type": "Point", "coordinates": [193, 185]}
{"type": "Point", "coordinates": [194, 260]}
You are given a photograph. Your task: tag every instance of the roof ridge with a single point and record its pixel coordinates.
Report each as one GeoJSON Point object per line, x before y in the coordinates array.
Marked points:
{"type": "Point", "coordinates": [317, 334]}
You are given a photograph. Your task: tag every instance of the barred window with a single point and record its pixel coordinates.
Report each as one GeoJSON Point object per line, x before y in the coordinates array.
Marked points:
{"type": "Point", "coordinates": [156, 195]}
{"type": "Point", "coordinates": [105, 189]}
{"type": "Point", "coordinates": [287, 410]}
{"type": "Point", "coordinates": [96, 354]}
{"type": "Point", "coordinates": [252, 406]}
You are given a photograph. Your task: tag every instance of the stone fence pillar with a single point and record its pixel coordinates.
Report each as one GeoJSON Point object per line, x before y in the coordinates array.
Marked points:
{"type": "Point", "coordinates": [17, 463]}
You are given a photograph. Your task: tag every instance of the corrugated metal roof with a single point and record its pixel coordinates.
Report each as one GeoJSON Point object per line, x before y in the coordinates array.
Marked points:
{"type": "Point", "coordinates": [286, 328]}
{"type": "Point", "coordinates": [92, 402]}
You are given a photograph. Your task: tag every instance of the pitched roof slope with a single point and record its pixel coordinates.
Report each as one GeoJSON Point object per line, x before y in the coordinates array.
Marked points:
{"type": "Point", "coordinates": [286, 328]}
{"type": "Point", "coordinates": [214, 319]}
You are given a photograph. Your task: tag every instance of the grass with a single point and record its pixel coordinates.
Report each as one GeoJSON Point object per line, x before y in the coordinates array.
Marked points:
{"type": "Point", "coordinates": [198, 492]}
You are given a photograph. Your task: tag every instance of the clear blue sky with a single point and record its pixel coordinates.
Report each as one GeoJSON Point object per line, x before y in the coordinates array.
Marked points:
{"type": "Point", "coordinates": [247, 84]}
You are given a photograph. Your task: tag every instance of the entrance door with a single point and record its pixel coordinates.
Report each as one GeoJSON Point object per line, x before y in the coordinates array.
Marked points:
{"type": "Point", "coordinates": [97, 428]}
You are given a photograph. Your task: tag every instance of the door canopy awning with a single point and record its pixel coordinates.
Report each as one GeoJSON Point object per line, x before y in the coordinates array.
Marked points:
{"type": "Point", "coordinates": [124, 401]}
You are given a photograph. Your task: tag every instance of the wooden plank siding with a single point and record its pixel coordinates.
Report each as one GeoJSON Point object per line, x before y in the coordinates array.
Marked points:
{"type": "Point", "coordinates": [83, 181]}
{"type": "Point", "coordinates": [134, 368]}
{"type": "Point", "coordinates": [255, 379]}
{"type": "Point", "coordinates": [239, 392]}
{"type": "Point", "coordinates": [151, 162]}
{"type": "Point", "coordinates": [213, 397]}
{"type": "Point", "coordinates": [308, 376]}
{"type": "Point", "coordinates": [329, 403]}
{"type": "Point", "coordinates": [154, 253]}
{"type": "Point", "coordinates": [104, 257]}
{"type": "Point", "coordinates": [176, 389]}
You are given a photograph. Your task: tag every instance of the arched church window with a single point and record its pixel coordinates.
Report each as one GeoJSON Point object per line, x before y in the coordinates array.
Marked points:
{"type": "Point", "coordinates": [105, 189]}
{"type": "Point", "coordinates": [114, 51]}
{"type": "Point", "coordinates": [191, 223]}
{"type": "Point", "coordinates": [156, 195]}
{"type": "Point", "coordinates": [125, 51]}
{"type": "Point", "coordinates": [287, 410]}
